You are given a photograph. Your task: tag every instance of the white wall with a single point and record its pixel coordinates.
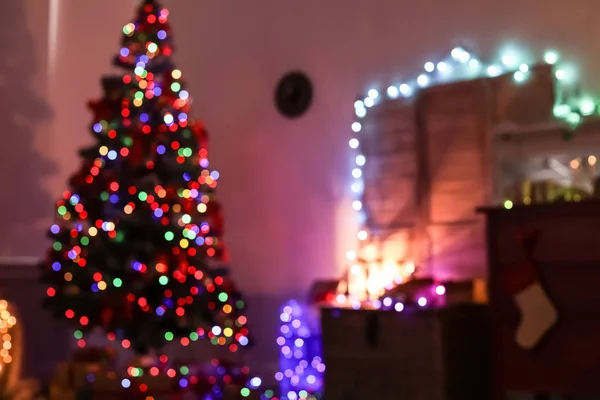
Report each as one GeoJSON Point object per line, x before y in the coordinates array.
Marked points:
{"type": "Point", "coordinates": [283, 182]}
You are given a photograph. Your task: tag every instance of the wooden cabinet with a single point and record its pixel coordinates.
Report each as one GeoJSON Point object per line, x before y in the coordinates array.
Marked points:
{"type": "Point", "coordinates": [567, 258]}
{"type": "Point", "coordinates": [420, 354]}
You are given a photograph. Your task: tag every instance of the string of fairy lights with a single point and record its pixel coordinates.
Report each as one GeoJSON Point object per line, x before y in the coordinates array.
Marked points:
{"type": "Point", "coordinates": [7, 322]}
{"type": "Point", "coordinates": [461, 65]}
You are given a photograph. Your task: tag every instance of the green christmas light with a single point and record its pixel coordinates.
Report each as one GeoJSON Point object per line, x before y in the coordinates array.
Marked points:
{"type": "Point", "coordinates": [117, 282]}
{"type": "Point", "coordinates": [169, 336]}
{"type": "Point", "coordinates": [163, 280]}
{"type": "Point", "coordinates": [574, 119]}
{"type": "Point", "coordinates": [587, 106]}
{"type": "Point", "coordinates": [551, 57]}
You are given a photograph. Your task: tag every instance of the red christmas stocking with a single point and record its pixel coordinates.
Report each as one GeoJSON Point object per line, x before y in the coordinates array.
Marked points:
{"type": "Point", "coordinates": [538, 313]}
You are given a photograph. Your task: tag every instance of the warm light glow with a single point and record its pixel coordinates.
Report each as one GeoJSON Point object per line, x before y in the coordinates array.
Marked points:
{"type": "Point", "coordinates": [592, 160]}
{"type": "Point", "coordinates": [575, 163]}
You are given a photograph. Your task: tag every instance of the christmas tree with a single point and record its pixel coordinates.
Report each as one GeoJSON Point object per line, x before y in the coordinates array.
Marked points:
{"type": "Point", "coordinates": [137, 242]}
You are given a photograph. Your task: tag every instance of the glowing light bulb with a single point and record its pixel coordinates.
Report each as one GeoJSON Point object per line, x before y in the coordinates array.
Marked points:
{"type": "Point", "coordinates": [399, 307]}
{"type": "Point", "coordinates": [474, 64]}
{"type": "Point", "coordinates": [393, 92]}
{"type": "Point", "coordinates": [422, 302]}
{"type": "Point", "coordinates": [360, 160]}
{"type": "Point", "coordinates": [508, 204]}
{"type": "Point", "coordinates": [429, 66]}
{"type": "Point", "coordinates": [423, 80]}
{"type": "Point", "coordinates": [574, 118]}
{"type": "Point", "coordinates": [519, 76]}
{"type": "Point", "coordinates": [362, 235]}
{"type": "Point", "coordinates": [551, 57]}
{"type": "Point", "coordinates": [464, 57]}
{"type": "Point", "coordinates": [360, 112]}
{"type": "Point", "coordinates": [405, 89]}
{"type": "Point", "coordinates": [561, 110]}
{"type": "Point", "coordinates": [356, 127]}
{"type": "Point", "coordinates": [440, 290]}
{"type": "Point", "coordinates": [575, 163]}
{"type": "Point", "coordinates": [442, 66]}
{"type": "Point", "coordinates": [369, 102]}
{"type": "Point", "coordinates": [359, 104]}
{"type": "Point", "coordinates": [592, 160]}
{"type": "Point", "coordinates": [587, 106]}
{"type": "Point", "coordinates": [353, 143]}
{"type": "Point", "coordinates": [560, 74]}
{"type": "Point", "coordinates": [356, 205]}
{"type": "Point", "coordinates": [356, 173]}
{"type": "Point", "coordinates": [458, 53]}
{"type": "Point", "coordinates": [493, 70]}
{"type": "Point", "coordinates": [508, 60]}
{"type": "Point", "coordinates": [524, 68]}
{"type": "Point", "coordinates": [373, 93]}
{"type": "Point", "coordinates": [351, 255]}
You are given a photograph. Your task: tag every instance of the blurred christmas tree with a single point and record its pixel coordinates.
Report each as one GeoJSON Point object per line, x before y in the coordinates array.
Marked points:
{"type": "Point", "coordinates": [138, 247]}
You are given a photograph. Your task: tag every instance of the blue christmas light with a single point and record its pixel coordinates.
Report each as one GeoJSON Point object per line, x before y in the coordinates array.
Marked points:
{"type": "Point", "coordinates": [300, 358]}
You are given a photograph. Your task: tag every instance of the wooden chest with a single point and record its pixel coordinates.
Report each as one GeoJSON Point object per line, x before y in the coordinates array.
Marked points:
{"type": "Point", "coordinates": [413, 355]}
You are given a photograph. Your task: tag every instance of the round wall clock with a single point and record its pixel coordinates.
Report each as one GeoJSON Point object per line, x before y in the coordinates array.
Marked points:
{"type": "Point", "coordinates": [293, 94]}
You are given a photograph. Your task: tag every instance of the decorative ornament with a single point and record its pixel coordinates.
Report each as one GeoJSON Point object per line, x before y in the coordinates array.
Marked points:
{"type": "Point", "coordinates": [538, 313]}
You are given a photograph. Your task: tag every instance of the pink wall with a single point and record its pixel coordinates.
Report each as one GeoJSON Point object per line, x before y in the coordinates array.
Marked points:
{"type": "Point", "coordinates": [284, 183]}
